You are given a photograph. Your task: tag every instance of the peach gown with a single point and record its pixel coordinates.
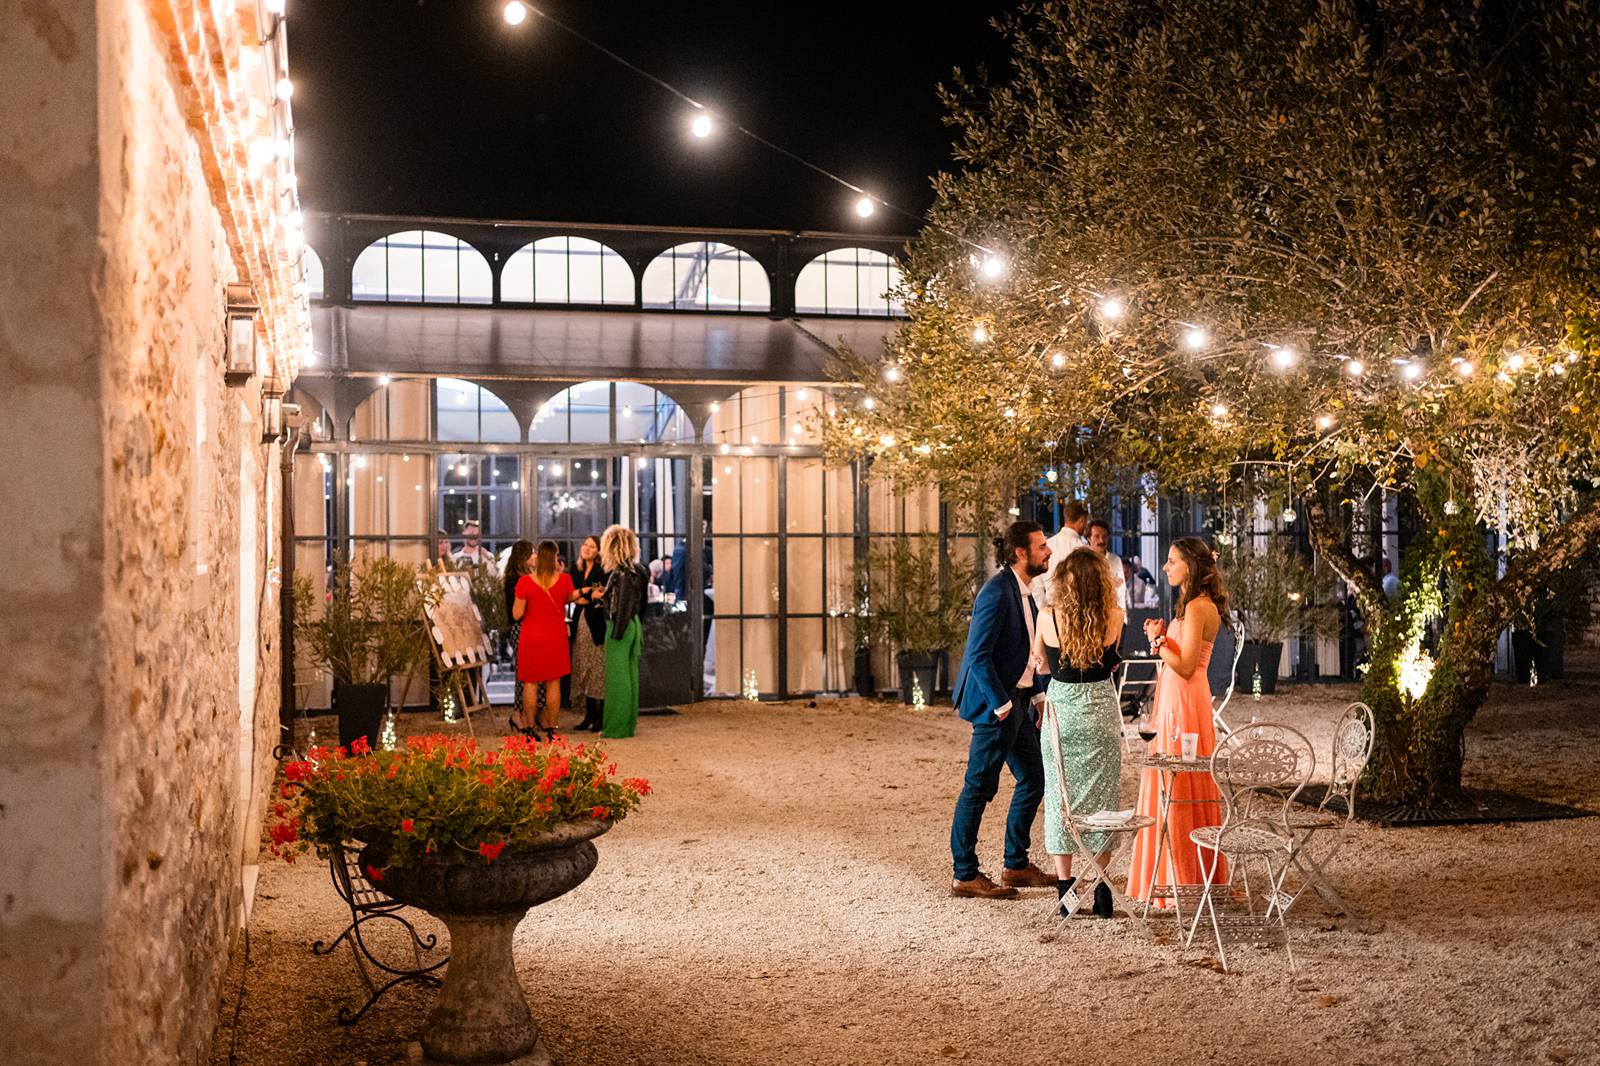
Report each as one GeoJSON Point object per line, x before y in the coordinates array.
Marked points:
{"type": "Point", "coordinates": [1180, 707]}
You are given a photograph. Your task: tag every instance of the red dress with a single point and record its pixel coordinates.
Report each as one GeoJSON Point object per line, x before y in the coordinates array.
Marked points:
{"type": "Point", "coordinates": [542, 651]}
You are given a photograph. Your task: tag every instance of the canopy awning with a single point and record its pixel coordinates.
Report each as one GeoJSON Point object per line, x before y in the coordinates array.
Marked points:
{"type": "Point", "coordinates": [487, 343]}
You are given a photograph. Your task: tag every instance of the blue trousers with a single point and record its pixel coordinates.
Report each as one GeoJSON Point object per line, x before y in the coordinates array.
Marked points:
{"type": "Point", "coordinates": [1014, 743]}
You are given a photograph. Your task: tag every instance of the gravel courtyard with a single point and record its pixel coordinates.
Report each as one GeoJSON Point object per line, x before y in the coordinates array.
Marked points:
{"type": "Point", "coordinates": [783, 897]}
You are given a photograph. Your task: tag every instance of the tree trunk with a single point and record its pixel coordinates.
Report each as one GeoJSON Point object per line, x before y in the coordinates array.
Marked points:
{"type": "Point", "coordinates": [1425, 691]}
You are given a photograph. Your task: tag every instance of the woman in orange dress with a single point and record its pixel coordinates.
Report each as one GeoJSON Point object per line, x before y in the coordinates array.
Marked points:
{"type": "Point", "coordinates": [1182, 705]}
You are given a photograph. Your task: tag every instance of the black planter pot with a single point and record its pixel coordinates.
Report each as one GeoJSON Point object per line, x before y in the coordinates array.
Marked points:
{"type": "Point", "coordinates": [1545, 650]}
{"type": "Point", "coordinates": [918, 669]}
{"type": "Point", "coordinates": [1257, 656]}
{"type": "Point", "coordinates": [360, 709]}
{"type": "Point", "coordinates": [866, 684]}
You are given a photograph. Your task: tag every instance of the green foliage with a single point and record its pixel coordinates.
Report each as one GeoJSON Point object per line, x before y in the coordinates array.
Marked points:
{"type": "Point", "coordinates": [369, 627]}
{"type": "Point", "coordinates": [908, 605]}
{"type": "Point", "coordinates": [442, 795]}
{"type": "Point", "coordinates": [1275, 593]}
{"type": "Point", "coordinates": [489, 596]}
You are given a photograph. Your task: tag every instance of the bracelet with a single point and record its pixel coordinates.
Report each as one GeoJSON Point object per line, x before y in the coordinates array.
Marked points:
{"type": "Point", "coordinates": [1155, 645]}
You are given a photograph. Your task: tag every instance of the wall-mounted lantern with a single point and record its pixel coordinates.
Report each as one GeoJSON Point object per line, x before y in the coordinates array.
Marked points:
{"type": "Point", "coordinates": [240, 362]}
{"type": "Point", "coordinates": [271, 411]}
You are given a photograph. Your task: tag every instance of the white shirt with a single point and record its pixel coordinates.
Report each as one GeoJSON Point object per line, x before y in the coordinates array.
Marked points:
{"type": "Point", "coordinates": [1119, 580]}
{"type": "Point", "coordinates": [1026, 680]}
{"type": "Point", "coordinates": [479, 556]}
{"type": "Point", "coordinates": [1064, 543]}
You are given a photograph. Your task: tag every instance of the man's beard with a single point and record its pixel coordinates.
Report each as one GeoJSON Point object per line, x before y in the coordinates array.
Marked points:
{"type": "Point", "coordinates": [1035, 571]}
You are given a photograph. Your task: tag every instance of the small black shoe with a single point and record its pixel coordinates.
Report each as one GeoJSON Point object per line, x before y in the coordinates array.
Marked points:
{"type": "Point", "coordinates": [1062, 888]}
{"type": "Point", "coordinates": [1102, 900]}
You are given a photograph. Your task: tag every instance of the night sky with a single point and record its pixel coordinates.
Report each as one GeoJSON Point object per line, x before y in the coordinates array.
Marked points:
{"type": "Point", "coordinates": [437, 107]}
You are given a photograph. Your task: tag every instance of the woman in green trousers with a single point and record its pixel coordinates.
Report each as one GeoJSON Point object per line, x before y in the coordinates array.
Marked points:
{"type": "Point", "coordinates": [624, 598]}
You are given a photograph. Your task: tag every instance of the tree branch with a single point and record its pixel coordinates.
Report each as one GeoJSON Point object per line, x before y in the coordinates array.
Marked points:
{"type": "Point", "coordinates": [1562, 549]}
{"type": "Point", "coordinates": [1354, 572]}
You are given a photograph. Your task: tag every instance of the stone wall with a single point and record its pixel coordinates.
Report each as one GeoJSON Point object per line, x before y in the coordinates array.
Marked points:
{"type": "Point", "coordinates": [139, 676]}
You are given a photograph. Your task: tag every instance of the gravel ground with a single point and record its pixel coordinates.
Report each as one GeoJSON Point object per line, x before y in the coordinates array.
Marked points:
{"type": "Point", "coordinates": [783, 898]}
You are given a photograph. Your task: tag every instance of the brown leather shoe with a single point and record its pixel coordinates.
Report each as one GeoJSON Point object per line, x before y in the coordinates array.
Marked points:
{"type": "Point", "coordinates": [1030, 876]}
{"type": "Point", "coordinates": [981, 887]}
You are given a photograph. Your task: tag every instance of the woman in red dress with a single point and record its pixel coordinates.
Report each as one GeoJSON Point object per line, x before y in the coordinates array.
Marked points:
{"type": "Point", "coordinates": [542, 654]}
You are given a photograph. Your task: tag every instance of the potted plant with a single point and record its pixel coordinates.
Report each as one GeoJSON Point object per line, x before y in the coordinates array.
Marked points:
{"type": "Point", "coordinates": [474, 838]}
{"type": "Point", "coordinates": [1273, 595]}
{"type": "Point", "coordinates": [367, 629]}
{"type": "Point", "coordinates": [913, 609]}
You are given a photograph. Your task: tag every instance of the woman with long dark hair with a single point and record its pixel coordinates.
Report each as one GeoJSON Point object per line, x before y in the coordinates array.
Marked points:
{"type": "Point", "coordinates": [589, 636]}
{"type": "Point", "coordinates": [1081, 735]}
{"type": "Point", "coordinates": [1182, 705]}
{"type": "Point", "coordinates": [543, 658]}
{"type": "Point", "coordinates": [519, 562]}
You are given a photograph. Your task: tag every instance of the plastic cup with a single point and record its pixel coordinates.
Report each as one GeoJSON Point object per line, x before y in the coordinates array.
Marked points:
{"type": "Point", "coordinates": [1190, 746]}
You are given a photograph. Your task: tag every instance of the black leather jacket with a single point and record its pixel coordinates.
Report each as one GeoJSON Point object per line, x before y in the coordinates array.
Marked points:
{"type": "Point", "coordinates": [624, 598]}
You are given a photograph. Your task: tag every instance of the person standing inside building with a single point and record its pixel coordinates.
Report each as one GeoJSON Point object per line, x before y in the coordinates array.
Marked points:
{"type": "Point", "coordinates": [472, 552]}
{"type": "Point", "coordinates": [624, 598]}
{"type": "Point", "coordinates": [543, 658]}
{"type": "Point", "coordinates": [518, 563]}
{"type": "Point", "coordinates": [996, 691]}
{"type": "Point", "coordinates": [589, 635]}
{"type": "Point", "coordinates": [1100, 541]}
{"type": "Point", "coordinates": [1067, 539]}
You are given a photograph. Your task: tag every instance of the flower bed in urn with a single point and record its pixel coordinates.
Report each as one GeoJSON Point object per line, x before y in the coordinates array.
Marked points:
{"type": "Point", "coordinates": [444, 798]}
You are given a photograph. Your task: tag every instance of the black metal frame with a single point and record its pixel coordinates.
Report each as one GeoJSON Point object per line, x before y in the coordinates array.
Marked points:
{"type": "Point", "coordinates": [367, 904]}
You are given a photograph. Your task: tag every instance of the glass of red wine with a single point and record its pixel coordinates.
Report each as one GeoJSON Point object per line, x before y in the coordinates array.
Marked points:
{"type": "Point", "coordinates": [1146, 726]}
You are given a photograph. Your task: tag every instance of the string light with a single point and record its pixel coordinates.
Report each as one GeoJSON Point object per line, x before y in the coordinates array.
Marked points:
{"type": "Point", "coordinates": [869, 403]}
{"type": "Point", "coordinates": [892, 373]}
{"type": "Point", "coordinates": [701, 126]}
{"type": "Point", "coordinates": [284, 89]}
{"type": "Point", "coordinates": [1195, 338]}
{"type": "Point", "coordinates": [515, 13]}
{"type": "Point", "coordinates": [1515, 362]}
{"type": "Point", "coordinates": [1058, 360]}
{"type": "Point", "coordinates": [992, 267]}
{"type": "Point", "coordinates": [1112, 309]}
{"type": "Point", "coordinates": [1010, 412]}
{"type": "Point", "coordinates": [1465, 368]}
{"type": "Point", "coordinates": [1283, 356]}
{"type": "Point", "coordinates": [1354, 368]}
{"type": "Point", "coordinates": [887, 440]}
{"type": "Point", "coordinates": [1219, 410]}
{"type": "Point", "coordinates": [980, 333]}
{"type": "Point", "coordinates": [864, 207]}
{"type": "Point", "coordinates": [1324, 422]}
{"type": "Point", "coordinates": [1410, 371]}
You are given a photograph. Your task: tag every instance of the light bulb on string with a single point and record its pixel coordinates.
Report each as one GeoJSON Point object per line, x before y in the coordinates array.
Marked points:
{"type": "Point", "coordinates": [1465, 368]}
{"type": "Point", "coordinates": [992, 267]}
{"type": "Point", "coordinates": [865, 207]}
{"type": "Point", "coordinates": [701, 126]}
{"type": "Point", "coordinates": [1411, 371]}
{"type": "Point", "coordinates": [980, 333]}
{"type": "Point", "coordinates": [1515, 362]}
{"type": "Point", "coordinates": [1112, 309]}
{"type": "Point", "coordinates": [1289, 515]}
{"type": "Point", "coordinates": [515, 13]}
{"type": "Point", "coordinates": [1051, 475]}
{"type": "Point", "coordinates": [1058, 360]}
{"type": "Point", "coordinates": [1195, 338]}
{"type": "Point", "coordinates": [1354, 367]}
{"type": "Point", "coordinates": [1324, 422]}
{"type": "Point", "coordinates": [1009, 412]}
{"type": "Point", "coordinates": [887, 440]}
{"type": "Point", "coordinates": [869, 403]}
{"type": "Point", "coordinates": [284, 89]}
{"type": "Point", "coordinates": [892, 373]}
{"type": "Point", "coordinates": [1219, 410]}
{"type": "Point", "coordinates": [1283, 356]}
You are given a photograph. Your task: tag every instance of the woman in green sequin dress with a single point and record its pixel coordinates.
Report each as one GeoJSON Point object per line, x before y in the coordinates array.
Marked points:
{"type": "Point", "coordinates": [1077, 642]}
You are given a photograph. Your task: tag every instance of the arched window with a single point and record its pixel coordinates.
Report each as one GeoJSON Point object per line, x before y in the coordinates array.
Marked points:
{"type": "Point", "coordinates": [706, 276]}
{"type": "Point", "coordinates": [582, 414]}
{"type": "Point", "coordinates": [848, 281]}
{"type": "Point", "coordinates": [421, 266]}
{"type": "Point", "coordinates": [467, 412]}
{"type": "Point", "coordinates": [566, 270]}
{"type": "Point", "coordinates": [311, 264]}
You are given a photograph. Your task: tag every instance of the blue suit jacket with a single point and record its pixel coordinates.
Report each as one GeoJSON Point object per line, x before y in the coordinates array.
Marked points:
{"type": "Point", "coordinates": [997, 650]}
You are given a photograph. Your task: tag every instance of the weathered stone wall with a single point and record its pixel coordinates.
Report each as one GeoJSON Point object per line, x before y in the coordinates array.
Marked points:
{"type": "Point", "coordinates": [51, 679]}
{"type": "Point", "coordinates": [139, 636]}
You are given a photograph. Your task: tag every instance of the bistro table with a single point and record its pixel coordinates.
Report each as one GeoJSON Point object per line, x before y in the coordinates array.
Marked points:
{"type": "Point", "coordinates": [1167, 768]}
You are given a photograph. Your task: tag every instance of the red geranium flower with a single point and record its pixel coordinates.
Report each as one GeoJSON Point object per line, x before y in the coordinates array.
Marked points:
{"type": "Point", "coordinates": [360, 747]}
{"type": "Point", "coordinates": [490, 852]}
{"type": "Point", "coordinates": [405, 825]}
{"type": "Point", "coordinates": [601, 812]}
{"type": "Point", "coordinates": [374, 873]}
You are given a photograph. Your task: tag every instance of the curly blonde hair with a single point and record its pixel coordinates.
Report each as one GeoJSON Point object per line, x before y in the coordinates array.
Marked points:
{"type": "Point", "coordinates": [1082, 597]}
{"type": "Point", "coordinates": [619, 547]}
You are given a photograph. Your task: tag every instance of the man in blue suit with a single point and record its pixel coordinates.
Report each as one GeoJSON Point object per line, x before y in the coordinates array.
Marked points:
{"type": "Point", "coordinates": [996, 691]}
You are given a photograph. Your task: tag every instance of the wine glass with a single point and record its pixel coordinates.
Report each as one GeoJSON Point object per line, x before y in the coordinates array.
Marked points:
{"type": "Point", "coordinates": [1146, 725]}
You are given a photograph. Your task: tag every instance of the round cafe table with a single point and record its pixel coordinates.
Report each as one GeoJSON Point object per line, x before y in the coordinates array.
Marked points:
{"type": "Point", "coordinates": [1167, 768]}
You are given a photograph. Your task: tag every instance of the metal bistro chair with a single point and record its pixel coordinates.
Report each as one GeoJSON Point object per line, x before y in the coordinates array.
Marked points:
{"type": "Point", "coordinates": [1259, 770]}
{"type": "Point", "coordinates": [1220, 703]}
{"type": "Point", "coordinates": [367, 905]}
{"type": "Point", "coordinates": [1352, 747]}
{"type": "Point", "coordinates": [1139, 674]}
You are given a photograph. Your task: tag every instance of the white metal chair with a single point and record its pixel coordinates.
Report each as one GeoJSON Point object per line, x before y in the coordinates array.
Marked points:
{"type": "Point", "coordinates": [1220, 703]}
{"type": "Point", "coordinates": [1259, 770]}
{"type": "Point", "coordinates": [1352, 748]}
{"type": "Point", "coordinates": [1139, 674]}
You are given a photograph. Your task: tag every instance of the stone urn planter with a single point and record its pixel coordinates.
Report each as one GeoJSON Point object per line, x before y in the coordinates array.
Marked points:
{"type": "Point", "coordinates": [481, 1015]}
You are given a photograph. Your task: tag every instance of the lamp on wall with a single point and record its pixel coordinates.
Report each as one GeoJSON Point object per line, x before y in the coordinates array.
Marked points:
{"type": "Point", "coordinates": [272, 410]}
{"type": "Point", "coordinates": [240, 363]}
